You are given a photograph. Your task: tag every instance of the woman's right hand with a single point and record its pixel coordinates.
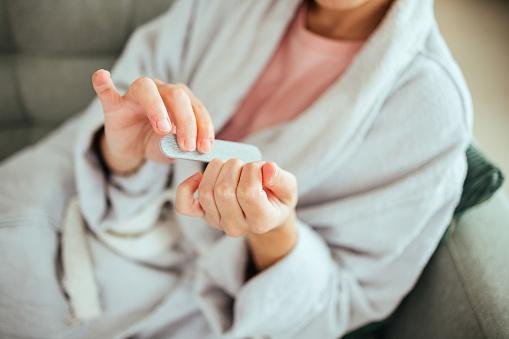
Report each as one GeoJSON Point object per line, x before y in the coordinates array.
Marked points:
{"type": "Point", "coordinates": [135, 122]}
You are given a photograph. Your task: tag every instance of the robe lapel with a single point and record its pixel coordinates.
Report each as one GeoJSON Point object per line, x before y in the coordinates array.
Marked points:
{"type": "Point", "coordinates": [325, 135]}
{"type": "Point", "coordinates": [229, 67]}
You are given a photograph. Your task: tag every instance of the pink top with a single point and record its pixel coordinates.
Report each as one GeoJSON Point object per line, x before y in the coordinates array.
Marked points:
{"type": "Point", "coordinates": [302, 68]}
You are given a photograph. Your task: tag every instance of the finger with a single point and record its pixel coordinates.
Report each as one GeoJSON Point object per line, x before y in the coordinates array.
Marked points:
{"type": "Point", "coordinates": [206, 193]}
{"type": "Point", "coordinates": [185, 201]}
{"type": "Point", "coordinates": [180, 108]}
{"type": "Point", "coordinates": [253, 199]}
{"type": "Point", "coordinates": [279, 182]}
{"type": "Point", "coordinates": [144, 92]}
{"type": "Point", "coordinates": [105, 89]}
{"type": "Point", "coordinates": [205, 129]}
{"type": "Point", "coordinates": [153, 149]}
{"type": "Point", "coordinates": [232, 217]}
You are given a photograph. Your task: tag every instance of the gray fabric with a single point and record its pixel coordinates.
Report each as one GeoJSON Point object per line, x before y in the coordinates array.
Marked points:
{"type": "Point", "coordinates": [5, 37]}
{"type": "Point", "coordinates": [29, 239]}
{"type": "Point", "coordinates": [48, 51]}
{"type": "Point", "coordinates": [66, 95]}
{"type": "Point", "coordinates": [463, 291]}
{"type": "Point", "coordinates": [30, 251]}
{"type": "Point", "coordinates": [11, 109]}
{"type": "Point", "coordinates": [63, 27]}
{"type": "Point", "coordinates": [141, 12]}
{"type": "Point", "coordinates": [478, 253]}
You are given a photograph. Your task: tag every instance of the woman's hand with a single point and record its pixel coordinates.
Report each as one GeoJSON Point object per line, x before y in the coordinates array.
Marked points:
{"type": "Point", "coordinates": [135, 122]}
{"type": "Point", "coordinates": [256, 200]}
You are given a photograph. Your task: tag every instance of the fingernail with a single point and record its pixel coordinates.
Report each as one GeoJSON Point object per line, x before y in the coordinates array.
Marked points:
{"type": "Point", "coordinates": [164, 125]}
{"type": "Point", "coordinates": [191, 144]}
{"type": "Point", "coordinates": [205, 145]}
{"type": "Point", "coordinates": [272, 176]}
{"type": "Point", "coordinates": [182, 143]}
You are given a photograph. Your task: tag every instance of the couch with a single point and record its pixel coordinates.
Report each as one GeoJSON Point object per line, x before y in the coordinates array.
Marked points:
{"type": "Point", "coordinates": [48, 50]}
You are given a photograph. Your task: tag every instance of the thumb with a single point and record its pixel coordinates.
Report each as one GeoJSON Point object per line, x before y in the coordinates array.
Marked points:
{"type": "Point", "coordinates": [185, 201]}
{"type": "Point", "coordinates": [105, 89]}
{"type": "Point", "coordinates": [280, 182]}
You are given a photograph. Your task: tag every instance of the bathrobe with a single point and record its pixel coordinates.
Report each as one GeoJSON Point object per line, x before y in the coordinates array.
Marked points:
{"type": "Point", "coordinates": [379, 160]}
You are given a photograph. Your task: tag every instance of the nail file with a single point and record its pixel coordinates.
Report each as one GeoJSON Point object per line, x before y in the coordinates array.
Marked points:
{"type": "Point", "coordinates": [221, 149]}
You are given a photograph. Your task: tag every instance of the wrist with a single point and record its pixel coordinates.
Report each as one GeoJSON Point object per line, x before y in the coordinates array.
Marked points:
{"type": "Point", "coordinates": [268, 248]}
{"type": "Point", "coordinates": [114, 163]}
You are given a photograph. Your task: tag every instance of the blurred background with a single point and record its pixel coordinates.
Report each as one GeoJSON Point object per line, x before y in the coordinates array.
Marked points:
{"type": "Point", "coordinates": [477, 32]}
{"type": "Point", "coordinates": [45, 65]}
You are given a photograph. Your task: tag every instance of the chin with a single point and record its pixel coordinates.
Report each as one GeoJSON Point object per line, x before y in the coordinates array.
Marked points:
{"type": "Point", "coordinates": [340, 5]}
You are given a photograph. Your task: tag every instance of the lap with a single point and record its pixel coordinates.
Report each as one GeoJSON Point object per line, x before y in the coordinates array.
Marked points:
{"type": "Point", "coordinates": [35, 186]}
{"type": "Point", "coordinates": [32, 302]}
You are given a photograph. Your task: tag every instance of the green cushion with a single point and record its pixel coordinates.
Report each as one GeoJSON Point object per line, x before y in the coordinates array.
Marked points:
{"type": "Point", "coordinates": [482, 180]}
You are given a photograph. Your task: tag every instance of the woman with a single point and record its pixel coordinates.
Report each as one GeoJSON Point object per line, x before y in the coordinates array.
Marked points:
{"type": "Point", "coordinates": [362, 118]}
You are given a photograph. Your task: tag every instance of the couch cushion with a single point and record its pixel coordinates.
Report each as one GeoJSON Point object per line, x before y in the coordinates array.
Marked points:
{"type": "Point", "coordinates": [54, 88]}
{"type": "Point", "coordinates": [462, 293]}
{"type": "Point", "coordinates": [48, 51]}
{"type": "Point", "coordinates": [143, 11]}
{"type": "Point", "coordinates": [11, 109]}
{"type": "Point", "coordinates": [5, 36]}
{"type": "Point", "coordinates": [438, 307]}
{"type": "Point", "coordinates": [66, 27]}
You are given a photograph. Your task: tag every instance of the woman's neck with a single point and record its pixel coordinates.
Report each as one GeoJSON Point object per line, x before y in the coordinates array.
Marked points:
{"type": "Point", "coordinates": [352, 24]}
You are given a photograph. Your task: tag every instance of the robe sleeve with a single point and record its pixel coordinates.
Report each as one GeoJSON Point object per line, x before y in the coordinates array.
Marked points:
{"type": "Point", "coordinates": [356, 256]}
{"type": "Point", "coordinates": [154, 50]}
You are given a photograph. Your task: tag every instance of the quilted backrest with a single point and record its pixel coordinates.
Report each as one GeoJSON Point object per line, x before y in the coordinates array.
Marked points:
{"type": "Point", "coordinates": [49, 49]}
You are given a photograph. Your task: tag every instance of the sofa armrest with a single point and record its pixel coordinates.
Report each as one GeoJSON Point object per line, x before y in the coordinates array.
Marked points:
{"type": "Point", "coordinates": [464, 290]}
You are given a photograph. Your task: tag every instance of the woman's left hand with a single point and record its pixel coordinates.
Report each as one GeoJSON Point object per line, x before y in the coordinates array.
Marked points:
{"type": "Point", "coordinates": [240, 198]}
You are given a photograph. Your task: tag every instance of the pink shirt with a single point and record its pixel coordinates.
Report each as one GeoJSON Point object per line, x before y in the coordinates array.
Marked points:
{"type": "Point", "coordinates": [302, 68]}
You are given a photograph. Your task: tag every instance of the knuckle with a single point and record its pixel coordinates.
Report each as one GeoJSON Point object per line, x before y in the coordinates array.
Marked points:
{"type": "Point", "coordinates": [224, 190]}
{"type": "Point", "coordinates": [259, 229]}
{"type": "Point", "coordinates": [104, 91]}
{"type": "Point", "coordinates": [217, 162]}
{"type": "Point", "coordinates": [205, 194]}
{"type": "Point", "coordinates": [142, 82]}
{"type": "Point", "coordinates": [233, 163]}
{"type": "Point", "coordinates": [248, 194]}
{"type": "Point", "coordinates": [251, 166]}
{"type": "Point", "coordinates": [177, 92]}
{"type": "Point", "coordinates": [182, 87]}
{"type": "Point", "coordinates": [201, 109]}
{"type": "Point", "coordinates": [234, 232]}
{"type": "Point", "coordinates": [259, 225]}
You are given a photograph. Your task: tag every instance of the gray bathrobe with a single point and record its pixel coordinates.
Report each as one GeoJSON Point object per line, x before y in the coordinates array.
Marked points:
{"type": "Point", "coordinates": [379, 158]}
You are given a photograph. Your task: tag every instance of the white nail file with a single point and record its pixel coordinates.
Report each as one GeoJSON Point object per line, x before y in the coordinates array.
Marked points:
{"type": "Point", "coordinates": [221, 149]}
